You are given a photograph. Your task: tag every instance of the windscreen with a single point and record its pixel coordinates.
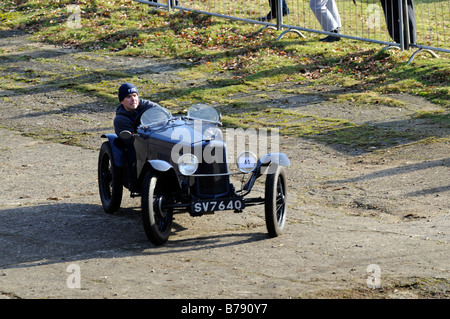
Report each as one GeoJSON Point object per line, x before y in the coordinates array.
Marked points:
{"type": "Point", "coordinates": [154, 116]}
{"type": "Point", "coordinates": [203, 112]}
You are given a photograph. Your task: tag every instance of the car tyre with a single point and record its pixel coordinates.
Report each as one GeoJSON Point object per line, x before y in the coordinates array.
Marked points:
{"type": "Point", "coordinates": [109, 180]}
{"type": "Point", "coordinates": [157, 221]}
{"type": "Point", "coordinates": [275, 200]}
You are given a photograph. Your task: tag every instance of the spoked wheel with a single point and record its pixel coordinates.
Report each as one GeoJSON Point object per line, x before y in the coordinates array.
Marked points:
{"type": "Point", "coordinates": [275, 201]}
{"type": "Point", "coordinates": [157, 220]}
{"type": "Point", "coordinates": [109, 180]}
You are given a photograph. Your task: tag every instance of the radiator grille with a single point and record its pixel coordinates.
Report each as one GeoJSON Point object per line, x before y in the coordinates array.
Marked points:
{"type": "Point", "coordinates": [211, 186]}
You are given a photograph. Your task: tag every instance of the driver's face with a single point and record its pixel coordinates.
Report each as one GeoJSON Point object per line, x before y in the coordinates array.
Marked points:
{"type": "Point", "coordinates": [131, 102]}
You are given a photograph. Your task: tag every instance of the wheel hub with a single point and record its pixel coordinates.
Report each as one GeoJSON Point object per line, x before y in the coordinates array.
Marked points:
{"type": "Point", "coordinates": [159, 207]}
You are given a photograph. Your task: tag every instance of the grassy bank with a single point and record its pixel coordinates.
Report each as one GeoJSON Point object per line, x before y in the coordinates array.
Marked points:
{"type": "Point", "coordinates": [251, 59]}
{"type": "Point", "coordinates": [225, 61]}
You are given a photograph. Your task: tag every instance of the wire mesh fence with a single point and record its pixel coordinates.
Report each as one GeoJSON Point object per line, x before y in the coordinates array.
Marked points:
{"type": "Point", "coordinates": [365, 20]}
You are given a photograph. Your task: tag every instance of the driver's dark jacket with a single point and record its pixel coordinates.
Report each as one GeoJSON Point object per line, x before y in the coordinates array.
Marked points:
{"type": "Point", "coordinates": [124, 119]}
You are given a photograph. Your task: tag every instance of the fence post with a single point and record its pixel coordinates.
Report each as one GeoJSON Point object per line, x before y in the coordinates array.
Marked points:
{"type": "Point", "coordinates": [406, 25]}
{"type": "Point", "coordinates": [279, 14]}
{"type": "Point", "coordinates": [400, 24]}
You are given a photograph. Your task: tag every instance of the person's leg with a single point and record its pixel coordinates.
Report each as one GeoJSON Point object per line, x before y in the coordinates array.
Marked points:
{"type": "Point", "coordinates": [130, 166]}
{"type": "Point", "coordinates": [327, 14]}
{"type": "Point", "coordinates": [274, 10]}
{"type": "Point", "coordinates": [323, 14]}
{"type": "Point", "coordinates": [285, 8]}
{"type": "Point", "coordinates": [412, 22]}
{"type": "Point", "coordinates": [333, 9]}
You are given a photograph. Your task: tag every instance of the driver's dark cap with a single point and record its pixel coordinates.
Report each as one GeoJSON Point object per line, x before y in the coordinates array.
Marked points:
{"type": "Point", "coordinates": [125, 89]}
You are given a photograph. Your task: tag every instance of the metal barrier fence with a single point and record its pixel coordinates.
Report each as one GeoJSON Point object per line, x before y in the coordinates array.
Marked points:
{"type": "Point", "coordinates": [364, 20]}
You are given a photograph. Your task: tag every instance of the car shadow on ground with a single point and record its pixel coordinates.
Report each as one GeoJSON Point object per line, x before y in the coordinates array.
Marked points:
{"type": "Point", "coordinates": [65, 232]}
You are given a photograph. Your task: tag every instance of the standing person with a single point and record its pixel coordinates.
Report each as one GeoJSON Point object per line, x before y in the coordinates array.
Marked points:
{"type": "Point", "coordinates": [328, 16]}
{"type": "Point", "coordinates": [392, 15]}
{"type": "Point", "coordinates": [274, 10]}
{"type": "Point", "coordinates": [127, 112]}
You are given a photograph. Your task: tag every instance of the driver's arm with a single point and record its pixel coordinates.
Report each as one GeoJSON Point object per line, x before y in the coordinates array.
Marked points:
{"type": "Point", "coordinates": [122, 123]}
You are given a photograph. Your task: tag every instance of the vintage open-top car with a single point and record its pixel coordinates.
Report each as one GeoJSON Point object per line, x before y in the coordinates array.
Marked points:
{"type": "Point", "coordinates": [179, 164]}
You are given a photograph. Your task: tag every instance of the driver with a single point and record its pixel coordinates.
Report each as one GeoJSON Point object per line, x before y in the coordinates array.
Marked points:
{"type": "Point", "coordinates": [130, 108]}
{"type": "Point", "coordinates": [127, 112]}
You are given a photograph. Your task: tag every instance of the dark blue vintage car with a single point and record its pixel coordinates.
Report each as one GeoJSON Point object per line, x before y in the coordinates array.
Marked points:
{"type": "Point", "coordinates": [179, 164]}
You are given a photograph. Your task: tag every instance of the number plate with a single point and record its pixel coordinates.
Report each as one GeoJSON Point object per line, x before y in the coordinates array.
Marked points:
{"type": "Point", "coordinates": [212, 205]}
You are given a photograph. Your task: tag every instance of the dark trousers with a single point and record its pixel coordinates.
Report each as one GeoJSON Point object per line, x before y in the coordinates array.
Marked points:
{"type": "Point", "coordinates": [130, 165]}
{"type": "Point", "coordinates": [129, 155]}
{"type": "Point", "coordinates": [274, 8]}
{"type": "Point", "coordinates": [392, 15]}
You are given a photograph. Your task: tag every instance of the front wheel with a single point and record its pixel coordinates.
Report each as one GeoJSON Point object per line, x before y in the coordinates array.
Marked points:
{"type": "Point", "coordinates": [275, 201]}
{"type": "Point", "coordinates": [157, 219]}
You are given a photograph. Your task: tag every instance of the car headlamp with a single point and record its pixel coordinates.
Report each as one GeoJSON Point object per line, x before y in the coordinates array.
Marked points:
{"type": "Point", "coordinates": [188, 164]}
{"type": "Point", "coordinates": [246, 162]}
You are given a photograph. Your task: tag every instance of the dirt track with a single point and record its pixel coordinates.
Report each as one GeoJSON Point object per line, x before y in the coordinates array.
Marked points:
{"type": "Point", "coordinates": [348, 209]}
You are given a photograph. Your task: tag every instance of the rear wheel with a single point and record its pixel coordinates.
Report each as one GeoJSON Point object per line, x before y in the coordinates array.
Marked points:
{"type": "Point", "coordinates": [109, 180]}
{"type": "Point", "coordinates": [157, 219]}
{"type": "Point", "coordinates": [275, 201]}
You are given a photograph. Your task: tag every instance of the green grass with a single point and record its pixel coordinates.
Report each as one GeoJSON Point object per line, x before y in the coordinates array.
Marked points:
{"type": "Point", "coordinates": [439, 117]}
{"type": "Point", "coordinates": [218, 45]}
{"type": "Point", "coordinates": [226, 60]}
